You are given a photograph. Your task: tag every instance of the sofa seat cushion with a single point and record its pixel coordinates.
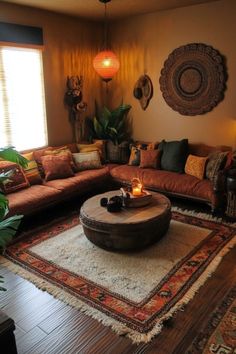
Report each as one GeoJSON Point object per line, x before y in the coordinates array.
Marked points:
{"type": "Point", "coordinates": [82, 181]}
{"type": "Point", "coordinates": [166, 181]}
{"type": "Point", "coordinates": [34, 198]}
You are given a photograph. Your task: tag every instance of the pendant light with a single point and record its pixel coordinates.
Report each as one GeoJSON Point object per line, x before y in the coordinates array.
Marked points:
{"type": "Point", "coordinates": [106, 63]}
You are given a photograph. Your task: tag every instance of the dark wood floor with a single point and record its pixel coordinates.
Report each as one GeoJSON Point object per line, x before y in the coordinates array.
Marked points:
{"type": "Point", "coordinates": [46, 325]}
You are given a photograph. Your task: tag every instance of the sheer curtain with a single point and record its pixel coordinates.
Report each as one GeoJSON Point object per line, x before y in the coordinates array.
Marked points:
{"type": "Point", "coordinates": [22, 99]}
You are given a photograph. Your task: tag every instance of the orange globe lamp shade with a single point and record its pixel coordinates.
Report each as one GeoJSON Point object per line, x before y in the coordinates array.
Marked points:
{"type": "Point", "coordinates": [106, 64]}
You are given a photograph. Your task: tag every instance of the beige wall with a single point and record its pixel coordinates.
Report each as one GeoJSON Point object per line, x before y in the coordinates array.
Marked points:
{"type": "Point", "coordinates": [144, 42]}
{"type": "Point", "coordinates": [70, 45]}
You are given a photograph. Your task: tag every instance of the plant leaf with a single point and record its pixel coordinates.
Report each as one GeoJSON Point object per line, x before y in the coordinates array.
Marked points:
{"type": "Point", "coordinates": [3, 206]}
{"type": "Point", "coordinates": [12, 155]}
{"type": "Point", "coordinates": [105, 119]}
{"type": "Point", "coordinates": [119, 113]}
{"type": "Point", "coordinates": [8, 229]}
{"type": "Point", "coordinates": [98, 128]}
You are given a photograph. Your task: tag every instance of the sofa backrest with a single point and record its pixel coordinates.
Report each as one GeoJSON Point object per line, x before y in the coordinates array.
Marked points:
{"type": "Point", "coordinates": [205, 150]}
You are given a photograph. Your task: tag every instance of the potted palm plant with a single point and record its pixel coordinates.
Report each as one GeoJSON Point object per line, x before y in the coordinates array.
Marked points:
{"type": "Point", "coordinates": [114, 127]}
{"type": "Point", "coordinates": [8, 226]}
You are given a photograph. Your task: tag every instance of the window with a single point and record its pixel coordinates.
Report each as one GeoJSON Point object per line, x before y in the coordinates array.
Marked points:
{"type": "Point", "coordinates": [22, 100]}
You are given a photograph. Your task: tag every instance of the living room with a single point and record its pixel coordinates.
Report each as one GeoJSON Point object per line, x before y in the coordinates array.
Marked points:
{"type": "Point", "coordinates": [142, 42]}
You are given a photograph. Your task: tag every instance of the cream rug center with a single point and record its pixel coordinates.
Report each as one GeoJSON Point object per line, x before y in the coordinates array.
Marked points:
{"type": "Point", "coordinates": [132, 275]}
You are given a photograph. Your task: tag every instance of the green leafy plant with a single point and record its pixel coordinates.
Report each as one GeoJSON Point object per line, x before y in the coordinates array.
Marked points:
{"type": "Point", "coordinates": [8, 226]}
{"type": "Point", "coordinates": [111, 125]}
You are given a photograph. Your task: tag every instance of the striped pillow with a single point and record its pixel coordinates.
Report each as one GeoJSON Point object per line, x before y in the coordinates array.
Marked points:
{"type": "Point", "coordinates": [31, 171]}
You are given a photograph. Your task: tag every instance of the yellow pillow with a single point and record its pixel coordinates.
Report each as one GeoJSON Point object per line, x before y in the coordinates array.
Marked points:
{"type": "Point", "coordinates": [195, 166]}
{"type": "Point", "coordinates": [31, 171]}
{"type": "Point", "coordinates": [96, 146]}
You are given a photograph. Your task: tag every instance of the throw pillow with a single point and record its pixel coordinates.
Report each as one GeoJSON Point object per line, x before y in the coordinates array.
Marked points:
{"type": "Point", "coordinates": [134, 159]}
{"type": "Point", "coordinates": [98, 145]}
{"type": "Point", "coordinates": [150, 158]}
{"type": "Point", "coordinates": [56, 167]}
{"type": "Point", "coordinates": [174, 155]}
{"type": "Point", "coordinates": [145, 145]}
{"type": "Point", "coordinates": [31, 171]}
{"type": "Point", "coordinates": [216, 161]}
{"type": "Point", "coordinates": [87, 160]}
{"type": "Point", "coordinates": [37, 156]}
{"type": "Point", "coordinates": [16, 181]}
{"type": "Point", "coordinates": [195, 166]}
{"type": "Point", "coordinates": [62, 151]}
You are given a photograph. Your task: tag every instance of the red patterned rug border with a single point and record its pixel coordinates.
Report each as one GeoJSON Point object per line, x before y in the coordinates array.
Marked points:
{"type": "Point", "coordinates": [201, 340]}
{"type": "Point", "coordinates": [139, 316]}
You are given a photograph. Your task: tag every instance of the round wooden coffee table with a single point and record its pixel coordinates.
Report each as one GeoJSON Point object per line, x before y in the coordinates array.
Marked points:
{"type": "Point", "coordinates": [130, 228]}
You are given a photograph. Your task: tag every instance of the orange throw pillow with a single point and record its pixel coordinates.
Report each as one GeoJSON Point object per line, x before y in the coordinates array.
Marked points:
{"type": "Point", "coordinates": [195, 166]}
{"type": "Point", "coordinates": [150, 158]}
{"type": "Point", "coordinates": [62, 151]}
{"type": "Point", "coordinates": [56, 167]}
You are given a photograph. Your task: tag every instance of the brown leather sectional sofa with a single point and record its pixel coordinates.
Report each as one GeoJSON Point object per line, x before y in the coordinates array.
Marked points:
{"type": "Point", "coordinates": [38, 197]}
{"type": "Point", "coordinates": [179, 184]}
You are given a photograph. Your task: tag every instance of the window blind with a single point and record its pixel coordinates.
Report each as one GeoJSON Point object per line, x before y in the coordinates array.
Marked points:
{"type": "Point", "coordinates": [22, 99]}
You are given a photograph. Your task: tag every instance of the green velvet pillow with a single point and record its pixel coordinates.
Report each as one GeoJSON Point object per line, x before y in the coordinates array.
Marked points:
{"type": "Point", "coordinates": [174, 155]}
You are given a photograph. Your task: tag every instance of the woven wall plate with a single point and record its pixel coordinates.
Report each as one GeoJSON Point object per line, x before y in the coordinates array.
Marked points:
{"type": "Point", "coordinates": [193, 79]}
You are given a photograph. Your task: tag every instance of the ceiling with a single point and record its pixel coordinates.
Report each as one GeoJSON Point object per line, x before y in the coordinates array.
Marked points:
{"type": "Point", "coordinates": [94, 10]}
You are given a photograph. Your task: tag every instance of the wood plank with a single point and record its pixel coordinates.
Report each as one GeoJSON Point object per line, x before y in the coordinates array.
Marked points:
{"type": "Point", "coordinates": [62, 316]}
{"type": "Point", "coordinates": [25, 343]}
{"type": "Point", "coordinates": [18, 332]}
{"type": "Point", "coordinates": [25, 306]}
{"type": "Point", "coordinates": [34, 318]}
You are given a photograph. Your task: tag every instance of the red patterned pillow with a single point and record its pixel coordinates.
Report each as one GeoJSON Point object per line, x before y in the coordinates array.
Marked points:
{"type": "Point", "coordinates": [56, 167]}
{"type": "Point", "coordinates": [150, 158]}
{"type": "Point", "coordinates": [16, 181]}
{"type": "Point", "coordinates": [62, 151]}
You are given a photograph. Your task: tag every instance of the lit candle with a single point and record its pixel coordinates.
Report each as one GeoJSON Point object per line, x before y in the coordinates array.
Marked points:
{"type": "Point", "coordinates": [137, 190]}
{"type": "Point", "coordinates": [136, 187]}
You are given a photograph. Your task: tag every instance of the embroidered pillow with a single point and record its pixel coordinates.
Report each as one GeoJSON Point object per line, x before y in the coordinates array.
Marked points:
{"type": "Point", "coordinates": [195, 166]}
{"type": "Point", "coordinates": [87, 160]}
{"type": "Point", "coordinates": [37, 156]}
{"type": "Point", "coordinates": [31, 171]}
{"type": "Point", "coordinates": [150, 158]}
{"type": "Point", "coordinates": [62, 151]}
{"type": "Point", "coordinates": [56, 167]}
{"type": "Point", "coordinates": [16, 181]}
{"type": "Point", "coordinates": [216, 161]}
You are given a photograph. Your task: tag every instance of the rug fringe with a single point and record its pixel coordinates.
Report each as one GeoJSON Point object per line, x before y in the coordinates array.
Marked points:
{"type": "Point", "coordinates": [117, 327]}
{"type": "Point", "coordinates": [204, 216]}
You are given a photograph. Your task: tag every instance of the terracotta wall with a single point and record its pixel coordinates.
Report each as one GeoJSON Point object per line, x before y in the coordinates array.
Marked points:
{"type": "Point", "coordinates": [144, 42]}
{"type": "Point", "coordinates": [70, 45]}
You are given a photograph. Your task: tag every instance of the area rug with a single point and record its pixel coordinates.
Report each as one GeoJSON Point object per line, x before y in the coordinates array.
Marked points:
{"type": "Point", "coordinates": [219, 335]}
{"type": "Point", "coordinates": [134, 293]}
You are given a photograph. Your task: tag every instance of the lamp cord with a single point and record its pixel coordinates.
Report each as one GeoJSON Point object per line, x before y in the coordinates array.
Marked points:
{"type": "Point", "coordinates": [105, 26]}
